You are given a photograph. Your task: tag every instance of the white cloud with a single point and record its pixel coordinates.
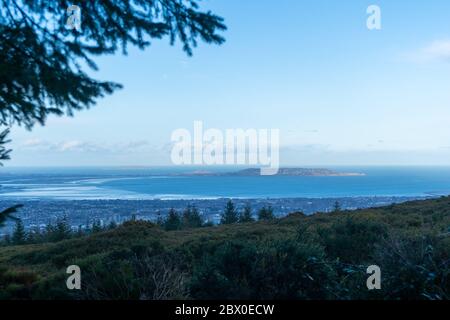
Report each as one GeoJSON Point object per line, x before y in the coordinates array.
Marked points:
{"type": "Point", "coordinates": [78, 146]}
{"type": "Point", "coordinates": [31, 143]}
{"type": "Point", "coordinates": [70, 145]}
{"type": "Point", "coordinates": [438, 50]}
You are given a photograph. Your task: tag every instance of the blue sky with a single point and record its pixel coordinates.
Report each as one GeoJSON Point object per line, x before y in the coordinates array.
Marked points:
{"type": "Point", "coordinates": [339, 93]}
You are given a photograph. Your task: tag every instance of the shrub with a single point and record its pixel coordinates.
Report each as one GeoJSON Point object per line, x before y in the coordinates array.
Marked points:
{"type": "Point", "coordinates": [282, 269]}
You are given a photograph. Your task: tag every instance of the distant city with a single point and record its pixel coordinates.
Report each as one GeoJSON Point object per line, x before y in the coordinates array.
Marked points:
{"type": "Point", "coordinates": [83, 213]}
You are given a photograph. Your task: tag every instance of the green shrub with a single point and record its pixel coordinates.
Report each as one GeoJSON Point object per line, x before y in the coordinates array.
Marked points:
{"type": "Point", "coordinates": [282, 269]}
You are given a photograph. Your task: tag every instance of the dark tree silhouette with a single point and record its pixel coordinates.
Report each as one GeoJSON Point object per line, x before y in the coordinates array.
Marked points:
{"type": "Point", "coordinates": [191, 218]}
{"type": "Point", "coordinates": [41, 58]}
{"type": "Point", "coordinates": [337, 207]}
{"type": "Point", "coordinates": [19, 235]}
{"type": "Point", "coordinates": [246, 214]}
{"type": "Point", "coordinates": [8, 214]}
{"type": "Point", "coordinates": [266, 213]}
{"type": "Point", "coordinates": [4, 152]}
{"type": "Point", "coordinates": [4, 155]}
{"type": "Point", "coordinates": [173, 221]}
{"type": "Point", "coordinates": [230, 215]}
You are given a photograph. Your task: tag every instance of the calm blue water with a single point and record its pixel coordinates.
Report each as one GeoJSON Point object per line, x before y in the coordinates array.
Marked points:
{"type": "Point", "coordinates": [150, 183]}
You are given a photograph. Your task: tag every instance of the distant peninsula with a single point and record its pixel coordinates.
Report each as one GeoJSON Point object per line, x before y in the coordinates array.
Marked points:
{"type": "Point", "coordinates": [294, 172]}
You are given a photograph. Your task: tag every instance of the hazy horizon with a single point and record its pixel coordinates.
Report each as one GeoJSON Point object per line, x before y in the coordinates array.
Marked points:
{"type": "Point", "coordinates": [340, 95]}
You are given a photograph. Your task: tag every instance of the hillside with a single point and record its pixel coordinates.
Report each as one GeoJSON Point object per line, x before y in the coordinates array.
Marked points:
{"type": "Point", "coordinates": [323, 256]}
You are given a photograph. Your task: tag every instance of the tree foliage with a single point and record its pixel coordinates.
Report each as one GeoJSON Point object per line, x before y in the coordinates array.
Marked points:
{"type": "Point", "coordinates": [192, 218]}
{"type": "Point", "coordinates": [337, 207]}
{"type": "Point", "coordinates": [230, 215]}
{"type": "Point", "coordinates": [19, 235]}
{"type": "Point", "coordinates": [173, 221]}
{"type": "Point", "coordinates": [246, 214]}
{"type": "Point", "coordinates": [41, 59]}
{"type": "Point", "coordinates": [4, 152]}
{"type": "Point", "coordinates": [8, 214]}
{"type": "Point", "coordinates": [266, 213]}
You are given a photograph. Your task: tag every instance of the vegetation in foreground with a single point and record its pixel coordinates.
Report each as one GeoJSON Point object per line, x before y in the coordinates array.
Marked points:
{"type": "Point", "coordinates": [324, 256]}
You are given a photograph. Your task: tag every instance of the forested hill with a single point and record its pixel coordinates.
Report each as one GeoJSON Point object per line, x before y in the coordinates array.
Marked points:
{"type": "Point", "coordinates": [324, 256]}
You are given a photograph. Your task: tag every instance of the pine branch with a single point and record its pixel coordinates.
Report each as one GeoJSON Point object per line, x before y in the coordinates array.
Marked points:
{"type": "Point", "coordinates": [7, 214]}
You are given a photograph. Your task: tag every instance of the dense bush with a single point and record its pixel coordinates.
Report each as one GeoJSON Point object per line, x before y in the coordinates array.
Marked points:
{"type": "Point", "coordinates": [281, 269]}
{"type": "Point", "coordinates": [417, 266]}
{"type": "Point", "coordinates": [352, 239]}
{"type": "Point", "coordinates": [324, 256]}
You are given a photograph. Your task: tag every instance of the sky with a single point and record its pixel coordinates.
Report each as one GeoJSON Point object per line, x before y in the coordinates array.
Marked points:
{"type": "Point", "coordinates": [339, 93]}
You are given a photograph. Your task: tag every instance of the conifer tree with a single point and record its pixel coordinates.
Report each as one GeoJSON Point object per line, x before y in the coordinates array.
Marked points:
{"type": "Point", "coordinates": [230, 214]}
{"type": "Point", "coordinates": [96, 226]}
{"type": "Point", "coordinates": [186, 216]}
{"type": "Point", "coordinates": [112, 225]}
{"type": "Point", "coordinates": [266, 214]}
{"type": "Point", "coordinates": [246, 214]}
{"type": "Point", "coordinates": [59, 231]}
{"type": "Point", "coordinates": [192, 218]}
{"type": "Point", "coordinates": [63, 229]}
{"type": "Point", "coordinates": [196, 220]}
{"type": "Point", "coordinates": [7, 214]}
{"type": "Point", "coordinates": [34, 235]}
{"type": "Point", "coordinates": [337, 207]}
{"type": "Point", "coordinates": [7, 239]}
{"type": "Point", "coordinates": [173, 221]}
{"type": "Point", "coordinates": [19, 235]}
{"type": "Point", "coordinates": [160, 220]}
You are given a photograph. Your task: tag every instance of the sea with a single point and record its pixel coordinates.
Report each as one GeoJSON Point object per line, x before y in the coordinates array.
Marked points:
{"type": "Point", "coordinates": [174, 183]}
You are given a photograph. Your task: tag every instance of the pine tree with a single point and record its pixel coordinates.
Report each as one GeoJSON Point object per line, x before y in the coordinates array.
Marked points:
{"type": "Point", "coordinates": [196, 220]}
{"type": "Point", "coordinates": [7, 214]}
{"type": "Point", "coordinates": [266, 214]}
{"type": "Point", "coordinates": [59, 231]}
{"type": "Point", "coordinates": [19, 235]}
{"type": "Point", "coordinates": [160, 220]}
{"type": "Point", "coordinates": [112, 225]}
{"type": "Point", "coordinates": [34, 236]}
{"type": "Point", "coordinates": [7, 239]}
{"type": "Point", "coordinates": [63, 229]}
{"type": "Point", "coordinates": [230, 214]}
{"type": "Point", "coordinates": [337, 207]}
{"type": "Point", "coordinates": [192, 218]}
{"type": "Point", "coordinates": [173, 221]}
{"type": "Point", "coordinates": [87, 227]}
{"type": "Point", "coordinates": [246, 214]}
{"type": "Point", "coordinates": [80, 232]}
{"type": "Point", "coordinates": [96, 226]}
{"type": "Point", "coordinates": [186, 216]}
{"type": "Point", "coordinates": [4, 152]}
